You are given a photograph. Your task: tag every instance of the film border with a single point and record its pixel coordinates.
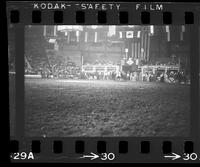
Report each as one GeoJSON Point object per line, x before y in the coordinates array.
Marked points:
{"type": "Point", "coordinates": [177, 11]}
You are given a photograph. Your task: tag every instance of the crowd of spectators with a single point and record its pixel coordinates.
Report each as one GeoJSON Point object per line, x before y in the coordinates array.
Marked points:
{"type": "Point", "coordinates": [70, 70]}
{"type": "Point", "coordinates": [169, 77]}
{"type": "Point", "coordinates": [67, 71]}
{"type": "Point", "coordinates": [74, 72]}
{"type": "Point", "coordinates": [159, 76]}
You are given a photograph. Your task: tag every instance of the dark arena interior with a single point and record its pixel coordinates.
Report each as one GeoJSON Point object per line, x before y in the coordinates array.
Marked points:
{"type": "Point", "coordinates": [104, 81]}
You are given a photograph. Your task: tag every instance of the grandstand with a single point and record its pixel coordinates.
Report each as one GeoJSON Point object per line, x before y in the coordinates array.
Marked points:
{"type": "Point", "coordinates": [72, 51]}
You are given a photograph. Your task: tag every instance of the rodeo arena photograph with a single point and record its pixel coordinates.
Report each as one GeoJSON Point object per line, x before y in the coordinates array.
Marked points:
{"type": "Point", "coordinates": [103, 81]}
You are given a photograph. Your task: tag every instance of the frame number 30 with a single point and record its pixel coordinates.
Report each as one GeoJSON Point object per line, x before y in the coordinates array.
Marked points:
{"type": "Point", "coordinates": [192, 156]}
{"type": "Point", "coordinates": [108, 156]}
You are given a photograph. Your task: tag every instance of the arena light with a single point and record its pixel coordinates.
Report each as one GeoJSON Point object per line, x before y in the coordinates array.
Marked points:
{"type": "Point", "coordinates": [95, 37]}
{"type": "Point", "coordinates": [77, 33]}
{"type": "Point", "coordinates": [129, 34]}
{"type": "Point", "coordinates": [152, 29]}
{"type": "Point", "coordinates": [138, 34]}
{"type": "Point", "coordinates": [94, 27]}
{"type": "Point", "coordinates": [168, 33]}
{"type": "Point", "coordinates": [52, 40]}
{"type": "Point", "coordinates": [120, 34]}
{"type": "Point", "coordinates": [183, 28]}
{"type": "Point", "coordinates": [86, 36]}
{"type": "Point", "coordinates": [111, 31]}
{"type": "Point", "coordinates": [63, 27]}
{"type": "Point", "coordinates": [69, 28]}
{"type": "Point", "coordinates": [78, 28]}
{"type": "Point", "coordinates": [181, 32]}
{"type": "Point", "coordinates": [167, 28]}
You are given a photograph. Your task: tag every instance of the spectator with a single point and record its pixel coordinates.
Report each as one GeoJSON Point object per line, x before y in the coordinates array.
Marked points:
{"type": "Point", "coordinates": [162, 77]}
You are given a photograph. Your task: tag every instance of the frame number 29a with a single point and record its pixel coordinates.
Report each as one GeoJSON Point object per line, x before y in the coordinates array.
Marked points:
{"type": "Point", "coordinates": [107, 156]}
{"type": "Point", "coordinates": [22, 156]}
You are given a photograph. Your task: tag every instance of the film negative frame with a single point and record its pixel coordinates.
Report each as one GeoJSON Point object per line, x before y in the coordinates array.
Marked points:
{"type": "Point", "coordinates": [123, 149]}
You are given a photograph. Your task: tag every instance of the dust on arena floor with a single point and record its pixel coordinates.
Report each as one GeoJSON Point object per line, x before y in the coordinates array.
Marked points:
{"type": "Point", "coordinates": [62, 108]}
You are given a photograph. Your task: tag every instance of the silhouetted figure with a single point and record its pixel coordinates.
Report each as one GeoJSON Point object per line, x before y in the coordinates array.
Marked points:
{"type": "Point", "coordinates": [162, 78]}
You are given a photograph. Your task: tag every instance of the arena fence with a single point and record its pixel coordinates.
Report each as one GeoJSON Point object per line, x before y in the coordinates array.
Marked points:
{"type": "Point", "coordinates": [26, 75]}
{"type": "Point", "coordinates": [99, 68]}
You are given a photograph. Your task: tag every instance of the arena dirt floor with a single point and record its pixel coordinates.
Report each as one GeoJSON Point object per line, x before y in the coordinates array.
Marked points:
{"type": "Point", "coordinates": [62, 108]}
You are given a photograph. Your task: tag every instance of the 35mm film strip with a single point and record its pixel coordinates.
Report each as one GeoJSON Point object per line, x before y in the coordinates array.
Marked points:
{"type": "Point", "coordinates": [103, 82]}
